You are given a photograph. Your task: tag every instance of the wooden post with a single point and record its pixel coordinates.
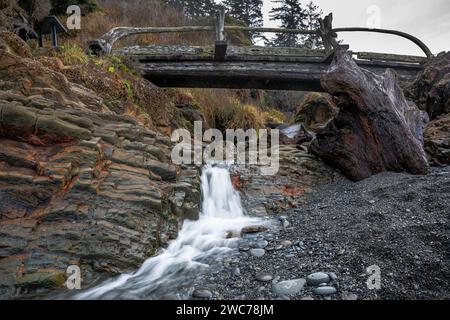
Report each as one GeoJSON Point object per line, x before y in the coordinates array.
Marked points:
{"type": "Point", "coordinates": [220, 48]}
{"type": "Point", "coordinates": [40, 38]}
{"type": "Point", "coordinates": [327, 34]}
{"type": "Point", "coordinates": [54, 36]}
{"type": "Point", "coordinates": [220, 24]}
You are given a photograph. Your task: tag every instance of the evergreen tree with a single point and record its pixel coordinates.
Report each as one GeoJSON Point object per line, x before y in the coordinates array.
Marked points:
{"type": "Point", "coordinates": [247, 11]}
{"type": "Point", "coordinates": [194, 8]}
{"type": "Point", "coordinates": [311, 22]}
{"type": "Point", "coordinates": [292, 15]}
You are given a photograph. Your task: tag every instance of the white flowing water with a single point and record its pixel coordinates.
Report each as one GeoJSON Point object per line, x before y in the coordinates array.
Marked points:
{"type": "Point", "coordinates": [199, 243]}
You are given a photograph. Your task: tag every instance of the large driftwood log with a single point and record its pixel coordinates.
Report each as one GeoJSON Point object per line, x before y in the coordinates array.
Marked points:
{"type": "Point", "coordinates": [376, 128]}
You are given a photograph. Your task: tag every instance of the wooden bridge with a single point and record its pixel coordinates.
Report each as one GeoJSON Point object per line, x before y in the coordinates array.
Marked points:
{"type": "Point", "coordinates": [254, 67]}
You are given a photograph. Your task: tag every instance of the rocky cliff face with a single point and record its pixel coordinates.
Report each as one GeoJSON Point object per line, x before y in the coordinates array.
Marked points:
{"type": "Point", "coordinates": [79, 183]}
{"type": "Point", "coordinates": [431, 91]}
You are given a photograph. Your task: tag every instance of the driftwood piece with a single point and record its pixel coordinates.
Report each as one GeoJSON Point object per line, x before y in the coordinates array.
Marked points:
{"type": "Point", "coordinates": [405, 35]}
{"type": "Point", "coordinates": [104, 44]}
{"type": "Point", "coordinates": [390, 57]}
{"type": "Point", "coordinates": [376, 128]}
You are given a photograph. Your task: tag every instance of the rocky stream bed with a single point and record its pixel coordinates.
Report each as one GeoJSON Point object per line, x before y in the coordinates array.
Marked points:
{"type": "Point", "coordinates": [397, 222]}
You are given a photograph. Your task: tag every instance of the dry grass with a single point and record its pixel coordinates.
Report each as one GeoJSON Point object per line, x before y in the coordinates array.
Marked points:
{"type": "Point", "coordinates": [224, 109]}
{"type": "Point", "coordinates": [246, 117]}
{"type": "Point", "coordinates": [217, 106]}
{"type": "Point", "coordinates": [274, 116]}
{"type": "Point", "coordinates": [72, 54]}
{"type": "Point", "coordinates": [138, 13]}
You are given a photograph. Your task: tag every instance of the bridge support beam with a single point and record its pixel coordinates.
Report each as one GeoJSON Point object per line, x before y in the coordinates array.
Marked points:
{"type": "Point", "coordinates": [220, 47]}
{"type": "Point", "coordinates": [301, 76]}
{"type": "Point", "coordinates": [220, 50]}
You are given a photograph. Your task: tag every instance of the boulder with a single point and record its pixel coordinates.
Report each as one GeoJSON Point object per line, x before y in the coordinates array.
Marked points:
{"type": "Point", "coordinates": [295, 134]}
{"type": "Point", "coordinates": [315, 111]}
{"type": "Point", "coordinates": [12, 43]}
{"type": "Point", "coordinates": [431, 90]}
{"type": "Point", "coordinates": [437, 140]}
{"type": "Point", "coordinates": [376, 128]}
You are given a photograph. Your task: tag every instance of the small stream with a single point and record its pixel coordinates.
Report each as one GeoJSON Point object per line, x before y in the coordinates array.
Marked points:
{"type": "Point", "coordinates": [199, 245]}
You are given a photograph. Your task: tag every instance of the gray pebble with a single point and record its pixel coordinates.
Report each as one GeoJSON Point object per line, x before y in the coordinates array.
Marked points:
{"type": "Point", "coordinates": [202, 293]}
{"type": "Point", "coordinates": [317, 278]}
{"type": "Point", "coordinates": [332, 276]}
{"type": "Point", "coordinates": [286, 243]}
{"type": "Point", "coordinates": [325, 291]}
{"type": "Point", "coordinates": [257, 252]}
{"type": "Point", "coordinates": [261, 244]}
{"type": "Point", "coordinates": [264, 277]}
{"type": "Point", "coordinates": [288, 287]}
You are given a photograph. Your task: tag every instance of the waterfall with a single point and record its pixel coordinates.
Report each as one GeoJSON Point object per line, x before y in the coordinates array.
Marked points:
{"type": "Point", "coordinates": [171, 273]}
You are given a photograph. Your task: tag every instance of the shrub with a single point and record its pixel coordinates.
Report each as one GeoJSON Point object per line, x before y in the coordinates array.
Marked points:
{"type": "Point", "coordinates": [215, 104]}
{"type": "Point", "coordinates": [245, 117]}
{"type": "Point", "coordinates": [274, 116]}
{"type": "Point", "coordinates": [72, 54]}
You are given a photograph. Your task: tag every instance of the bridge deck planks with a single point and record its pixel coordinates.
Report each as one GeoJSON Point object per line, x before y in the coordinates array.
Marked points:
{"type": "Point", "coordinates": [251, 67]}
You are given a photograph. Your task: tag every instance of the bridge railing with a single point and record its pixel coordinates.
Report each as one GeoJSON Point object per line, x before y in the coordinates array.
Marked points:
{"type": "Point", "coordinates": [105, 44]}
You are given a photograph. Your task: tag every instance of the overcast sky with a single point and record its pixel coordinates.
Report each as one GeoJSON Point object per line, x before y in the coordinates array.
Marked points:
{"type": "Point", "coordinates": [428, 20]}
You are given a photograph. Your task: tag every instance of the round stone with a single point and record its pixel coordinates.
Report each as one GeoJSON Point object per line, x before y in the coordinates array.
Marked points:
{"type": "Point", "coordinates": [332, 276]}
{"type": "Point", "coordinates": [264, 277]}
{"type": "Point", "coordinates": [349, 296]}
{"type": "Point", "coordinates": [261, 244]}
{"type": "Point", "coordinates": [286, 243]}
{"type": "Point", "coordinates": [257, 252]}
{"type": "Point", "coordinates": [288, 287]}
{"type": "Point", "coordinates": [325, 291]}
{"type": "Point", "coordinates": [317, 278]}
{"type": "Point", "coordinates": [202, 293]}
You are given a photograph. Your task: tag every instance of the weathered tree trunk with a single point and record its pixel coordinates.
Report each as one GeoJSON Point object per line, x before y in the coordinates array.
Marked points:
{"type": "Point", "coordinates": [376, 128]}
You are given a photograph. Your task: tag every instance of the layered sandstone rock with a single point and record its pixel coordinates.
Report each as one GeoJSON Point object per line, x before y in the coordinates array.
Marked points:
{"type": "Point", "coordinates": [79, 183]}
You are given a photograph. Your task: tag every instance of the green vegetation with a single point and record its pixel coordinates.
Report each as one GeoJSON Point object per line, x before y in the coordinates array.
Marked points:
{"type": "Point", "coordinates": [72, 54]}
{"type": "Point", "coordinates": [273, 115]}
{"type": "Point", "coordinates": [292, 15]}
{"type": "Point", "coordinates": [193, 8]}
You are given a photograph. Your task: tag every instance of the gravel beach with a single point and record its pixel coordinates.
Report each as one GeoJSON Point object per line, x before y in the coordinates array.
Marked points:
{"type": "Point", "coordinates": [396, 222]}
